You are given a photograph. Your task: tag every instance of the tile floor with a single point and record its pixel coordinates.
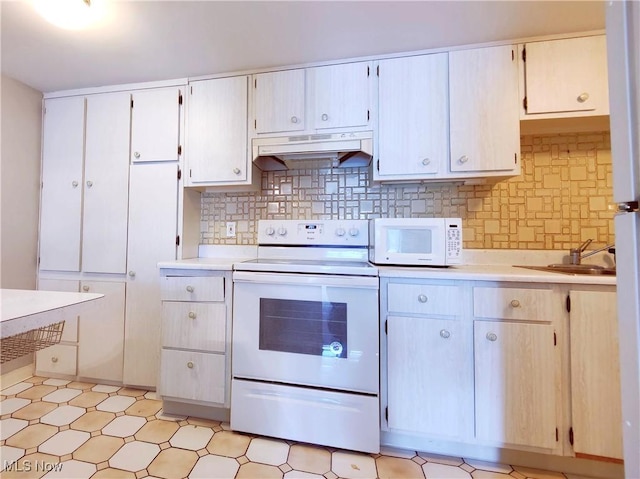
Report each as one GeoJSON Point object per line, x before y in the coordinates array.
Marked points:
{"type": "Point", "coordinates": [60, 429]}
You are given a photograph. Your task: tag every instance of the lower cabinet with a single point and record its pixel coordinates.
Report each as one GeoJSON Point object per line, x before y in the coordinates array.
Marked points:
{"type": "Point", "coordinates": [508, 365]}
{"type": "Point", "coordinates": [195, 368]}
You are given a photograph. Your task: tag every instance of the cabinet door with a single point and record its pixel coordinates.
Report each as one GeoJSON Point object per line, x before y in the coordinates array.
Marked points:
{"type": "Point", "coordinates": [279, 101]}
{"type": "Point", "coordinates": [104, 240]}
{"type": "Point", "coordinates": [413, 116]}
{"type": "Point", "coordinates": [101, 333]}
{"type": "Point", "coordinates": [155, 124]}
{"type": "Point", "coordinates": [567, 75]}
{"type": "Point", "coordinates": [217, 149]}
{"type": "Point", "coordinates": [341, 95]}
{"type": "Point", "coordinates": [61, 207]}
{"type": "Point", "coordinates": [484, 111]}
{"type": "Point", "coordinates": [595, 374]}
{"type": "Point", "coordinates": [515, 383]}
{"type": "Point", "coordinates": [152, 238]}
{"type": "Point", "coordinates": [430, 379]}
{"type": "Point", "coordinates": [70, 331]}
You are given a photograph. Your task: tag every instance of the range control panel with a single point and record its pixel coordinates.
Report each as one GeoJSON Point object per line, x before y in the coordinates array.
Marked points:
{"type": "Point", "coordinates": [313, 232]}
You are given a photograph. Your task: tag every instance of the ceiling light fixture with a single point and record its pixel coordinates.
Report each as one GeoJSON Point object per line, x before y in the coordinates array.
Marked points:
{"type": "Point", "coordinates": [71, 14]}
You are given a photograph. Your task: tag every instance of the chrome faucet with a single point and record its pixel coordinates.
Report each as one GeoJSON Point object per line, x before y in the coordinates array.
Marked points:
{"type": "Point", "coordinates": [576, 255]}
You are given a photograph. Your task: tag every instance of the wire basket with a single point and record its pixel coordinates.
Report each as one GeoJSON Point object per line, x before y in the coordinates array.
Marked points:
{"type": "Point", "coordinates": [30, 341]}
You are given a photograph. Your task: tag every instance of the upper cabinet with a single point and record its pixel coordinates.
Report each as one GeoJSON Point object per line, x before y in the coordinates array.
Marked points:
{"type": "Point", "coordinates": [216, 133]}
{"type": "Point", "coordinates": [308, 100]}
{"type": "Point", "coordinates": [483, 111]}
{"type": "Point", "coordinates": [564, 78]}
{"type": "Point", "coordinates": [155, 120]}
{"type": "Point", "coordinates": [413, 116]}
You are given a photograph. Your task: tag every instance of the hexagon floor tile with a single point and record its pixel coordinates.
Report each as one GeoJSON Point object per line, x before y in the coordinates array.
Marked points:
{"type": "Point", "coordinates": [82, 430]}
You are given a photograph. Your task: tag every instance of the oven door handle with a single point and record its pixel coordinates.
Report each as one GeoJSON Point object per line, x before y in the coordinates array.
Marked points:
{"type": "Point", "coordinates": [368, 282]}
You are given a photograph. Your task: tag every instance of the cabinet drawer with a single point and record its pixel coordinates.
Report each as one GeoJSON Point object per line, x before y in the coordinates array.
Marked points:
{"type": "Point", "coordinates": [194, 325]}
{"type": "Point", "coordinates": [512, 303]}
{"type": "Point", "coordinates": [424, 299]}
{"type": "Point", "coordinates": [192, 288]}
{"type": "Point", "coordinates": [194, 376]}
{"type": "Point", "coordinates": [57, 359]}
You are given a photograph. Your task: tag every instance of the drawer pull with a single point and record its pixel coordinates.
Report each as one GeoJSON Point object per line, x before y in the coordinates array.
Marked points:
{"type": "Point", "coordinates": [85, 288]}
{"type": "Point", "coordinates": [423, 298]}
{"type": "Point", "coordinates": [54, 359]}
{"type": "Point", "coordinates": [190, 289]}
{"type": "Point", "coordinates": [492, 336]}
{"type": "Point", "coordinates": [515, 303]}
{"type": "Point", "coordinates": [190, 364]}
{"type": "Point", "coordinates": [445, 334]}
{"type": "Point", "coordinates": [583, 97]}
{"type": "Point", "coordinates": [192, 315]}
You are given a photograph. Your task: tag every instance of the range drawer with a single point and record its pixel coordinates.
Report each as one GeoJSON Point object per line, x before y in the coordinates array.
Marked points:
{"type": "Point", "coordinates": [513, 303]}
{"type": "Point", "coordinates": [191, 325]}
{"type": "Point", "coordinates": [57, 359]}
{"type": "Point", "coordinates": [192, 288]}
{"type": "Point", "coordinates": [191, 375]}
{"type": "Point", "coordinates": [424, 299]}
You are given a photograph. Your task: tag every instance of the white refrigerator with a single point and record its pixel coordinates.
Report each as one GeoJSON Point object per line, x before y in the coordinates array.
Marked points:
{"type": "Point", "coordinates": [623, 51]}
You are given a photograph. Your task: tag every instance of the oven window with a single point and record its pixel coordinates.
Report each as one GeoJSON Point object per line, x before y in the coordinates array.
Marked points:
{"type": "Point", "coordinates": [304, 327]}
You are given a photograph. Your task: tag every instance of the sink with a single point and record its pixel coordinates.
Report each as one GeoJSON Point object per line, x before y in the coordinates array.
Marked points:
{"type": "Point", "coordinates": [573, 269]}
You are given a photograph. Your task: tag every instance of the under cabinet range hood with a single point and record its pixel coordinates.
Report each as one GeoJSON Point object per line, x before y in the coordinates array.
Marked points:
{"type": "Point", "coordinates": [313, 151]}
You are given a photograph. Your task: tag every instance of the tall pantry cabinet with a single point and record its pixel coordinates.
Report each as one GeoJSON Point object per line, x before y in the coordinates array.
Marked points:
{"type": "Point", "coordinates": [109, 214]}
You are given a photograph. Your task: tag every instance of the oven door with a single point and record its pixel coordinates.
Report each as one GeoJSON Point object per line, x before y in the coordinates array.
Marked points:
{"type": "Point", "coordinates": [305, 329]}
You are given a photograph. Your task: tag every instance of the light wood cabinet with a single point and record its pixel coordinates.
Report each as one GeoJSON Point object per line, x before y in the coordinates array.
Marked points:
{"type": "Point", "coordinates": [195, 358]}
{"type": "Point", "coordinates": [483, 110]}
{"type": "Point", "coordinates": [153, 208]}
{"type": "Point", "coordinates": [564, 78]}
{"type": "Point", "coordinates": [101, 333]}
{"type": "Point", "coordinates": [216, 133]}
{"type": "Point", "coordinates": [413, 117]}
{"type": "Point", "coordinates": [155, 116]}
{"type": "Point", "coordinates": [515, 387]}
{"type": "Point", "coordinates": [596, 418]}
{"type": "Point", "coordinates": [313, 100]}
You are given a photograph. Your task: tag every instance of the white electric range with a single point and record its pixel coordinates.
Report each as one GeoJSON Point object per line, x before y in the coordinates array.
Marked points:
{"type": "Point", "coordinates": [305, 353]}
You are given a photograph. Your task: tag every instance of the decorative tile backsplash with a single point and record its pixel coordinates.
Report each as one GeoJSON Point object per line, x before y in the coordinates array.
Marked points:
{"type": "Point", "coordinates": [562, 198]}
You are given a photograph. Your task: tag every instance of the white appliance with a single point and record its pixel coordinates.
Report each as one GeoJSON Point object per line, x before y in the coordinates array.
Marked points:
{"type": "Point", "coordinates": [324, 150]}
{"type": "Point", "coordinates": [415, 241]}
{"type": "Point", "coordinates": [623, 52]}
{"type": "Point", "coordinates": [305, 336]}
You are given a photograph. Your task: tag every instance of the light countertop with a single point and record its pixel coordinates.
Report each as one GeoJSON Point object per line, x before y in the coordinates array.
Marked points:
{"type": "Point", "coordinates": [24, 310]}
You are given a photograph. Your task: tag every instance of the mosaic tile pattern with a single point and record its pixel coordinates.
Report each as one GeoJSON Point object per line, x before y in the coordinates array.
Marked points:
{"type": "Point", "coordinates": [123, 444]}
{"type": "Point", "coordinates": [561, 198]}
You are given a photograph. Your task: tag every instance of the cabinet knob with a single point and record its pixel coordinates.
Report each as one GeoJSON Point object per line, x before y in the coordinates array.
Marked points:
{"type": "Point", "coordinates": [492, 336]}
{"type": "Point", "coordinates": [136, 154]}
{"type": "Point", "coordinates": [515, 303]}
{"type": "Point", "coordinates": [54, 359]}
{"type": "Point", "coordinates": [190, 364]}
{"type": "Point", "coordinates": [445, 334]}
{"type": "Point", "coordinates": [192, 315]}
{"type": "Point", "coordinates": [132, 274]}
{"type": "Point", "coordinates": [74, 183]}
{"type": "Point", "coordinates": [463, 159]}
{"type": "Point", "coordinates": [583, 97]}
{"type": "Point", "coordinates": [426, 161]}
{"type": "Point", "coordinates": [237, 171]}
{"type": "Point", "coordinates": [89, 183]}
{"type": "Point", "coordinates": [85, 288]}
{"type": "Point", "coordinates": [190, 289]}
{"type": "Point", "coordinates": [423, 298]}
{"type": "Point", "coordinates": [294, 119]}
{"type": "Point", "coordinates": [324, 117]}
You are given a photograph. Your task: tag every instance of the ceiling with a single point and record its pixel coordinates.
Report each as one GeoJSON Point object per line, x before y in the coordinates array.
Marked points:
{"type": "Point", "coordinates": [159, 40]}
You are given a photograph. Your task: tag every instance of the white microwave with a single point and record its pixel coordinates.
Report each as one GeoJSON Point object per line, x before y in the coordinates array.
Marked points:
{"type": "Point", "coordinates": [415, 241]}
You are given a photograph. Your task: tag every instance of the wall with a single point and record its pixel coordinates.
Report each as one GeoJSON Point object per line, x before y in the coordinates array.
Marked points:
{"type": "Point", "coordinates": [561, 198]}
{"type": "Point", "coordinates": [21, 120]}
